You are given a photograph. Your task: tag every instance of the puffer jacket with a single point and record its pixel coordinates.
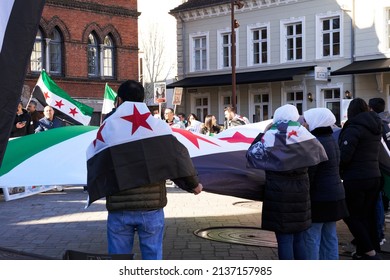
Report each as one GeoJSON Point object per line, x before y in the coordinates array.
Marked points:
{"type": "Point", "coordinates": [286, 205]}
{"type": "Point", "coordinates": [148, 197]}
{"type": "Point", "coordinates": [359, 142]}
{"type": "Point", "coordinates": [326, 188]}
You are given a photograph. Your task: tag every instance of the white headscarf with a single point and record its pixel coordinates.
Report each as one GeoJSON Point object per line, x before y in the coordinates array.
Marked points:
{"type": "Point", "coordinates": [286, 112]}
{"type": "Point", "coordinates": [319, 117]}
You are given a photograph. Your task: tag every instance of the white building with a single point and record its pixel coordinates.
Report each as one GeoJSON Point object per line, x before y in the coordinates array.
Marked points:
{"type": "Point", "coordinates": [279, 45]}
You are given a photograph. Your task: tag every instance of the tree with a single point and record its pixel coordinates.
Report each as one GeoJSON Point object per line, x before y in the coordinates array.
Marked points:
{"type": "Point", "coordinates": [156, 66]}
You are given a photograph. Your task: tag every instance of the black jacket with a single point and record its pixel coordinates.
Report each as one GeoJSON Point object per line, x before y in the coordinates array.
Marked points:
{"type": "Point", "coordinates": [286, 205]}
{"type": "Point", "coordinates": [359, 142]}
{"type": "Point", "coordinates": [326, 188]}
{"type": "Point", "coordinates": [27, 129]}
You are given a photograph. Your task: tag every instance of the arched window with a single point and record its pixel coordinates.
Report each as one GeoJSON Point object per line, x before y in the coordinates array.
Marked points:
{"type": "Point", "coordinates": [93, 55]}
{"type": "Point", "coordinates": [37, 58]}
{"type": "Point", "coordinates": [108, 57]}
{"type": "Point", "coordinates": [55, 47]}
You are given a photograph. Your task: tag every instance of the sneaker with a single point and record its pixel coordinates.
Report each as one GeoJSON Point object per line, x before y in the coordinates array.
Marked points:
{"type": "Point", "coordinates": [383, 241]}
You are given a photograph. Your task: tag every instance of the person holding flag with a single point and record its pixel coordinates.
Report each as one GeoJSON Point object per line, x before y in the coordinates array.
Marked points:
{"type": "Point", "coordinates": [285, 151]}
{"type": "Point", "coordinates": [129, 161]}
{"type": "Point", "coordinates": [47, 92]}
{"type": "Point", "coordinates": [48, 121]}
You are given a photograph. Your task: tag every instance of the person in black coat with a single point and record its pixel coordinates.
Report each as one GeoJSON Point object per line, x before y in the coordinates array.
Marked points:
{"type": "Point", "coordinates": [327, 193]}
{"type": "Point", "coordinates": [359, 141]}
{"type": "Point", "coordinates": [22, 123]}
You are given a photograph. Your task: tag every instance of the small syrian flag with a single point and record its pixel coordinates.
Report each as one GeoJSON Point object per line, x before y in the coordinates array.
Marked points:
{"type": "Point", "coordinates": [19, 22]}
{"type": "Point", "coordinates": [109, 100]}
{"type": "Point", "coordinates": [47, 92]}
{"type": "Point", "coordinates": [285, 146]}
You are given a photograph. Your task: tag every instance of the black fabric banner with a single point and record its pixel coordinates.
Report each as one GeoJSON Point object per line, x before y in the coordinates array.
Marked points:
{"type": "Point", "coordinates": [15, 53]}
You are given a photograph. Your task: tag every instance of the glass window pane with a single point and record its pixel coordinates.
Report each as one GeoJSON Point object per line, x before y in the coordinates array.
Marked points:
{"type": "Point", "coordinates": [336, 23]}
{"type": "Point", "coordinates": [325, 25]}
{"type": "Point", "coordinates": [290, 30]}
{"type": "Point", "coordinates": [299, 29]}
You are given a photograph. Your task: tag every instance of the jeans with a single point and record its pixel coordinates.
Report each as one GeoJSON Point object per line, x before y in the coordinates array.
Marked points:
{"type": "Point", "coordinates": [121, 228]}
{"type": "Point", "coordinates": [291, 246]}
{"type": "Point", "coordinates": [380, 217]}
{"type": "Point", "coordinates": [322, 242]}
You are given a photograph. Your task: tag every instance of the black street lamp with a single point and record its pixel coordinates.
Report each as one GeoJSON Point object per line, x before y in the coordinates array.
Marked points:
{"type": "Point", "coordinates": [235, 25]}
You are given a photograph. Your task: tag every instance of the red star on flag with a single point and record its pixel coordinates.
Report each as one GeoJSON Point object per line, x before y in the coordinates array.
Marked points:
{"type": "Point", "coordinates": [73, 111]}
{"type": "Point", "coordinates": [238, 138]}
{"type": "Point", "coordinates": [192, 137]}
{"type": "Point", "coordinates": [59, 104]}
{"type": "Point", "coordinates": [46, 95]}
{"type": "Point", "coordinates": [99, 135]}
{"type": "Point", "coordinates": [292, 133]}
{"type": "Point", "coordinates": [138, 120]}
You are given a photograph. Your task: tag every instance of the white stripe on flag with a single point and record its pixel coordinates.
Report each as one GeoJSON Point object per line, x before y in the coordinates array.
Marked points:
{"type": "Point", "coordinates": [5, 12]}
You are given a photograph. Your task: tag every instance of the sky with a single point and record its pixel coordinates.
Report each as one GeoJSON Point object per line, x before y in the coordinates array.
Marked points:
{"type": "Point", "coordinates": [155, 12]}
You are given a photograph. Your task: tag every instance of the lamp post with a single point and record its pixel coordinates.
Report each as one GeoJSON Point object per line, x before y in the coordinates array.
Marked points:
{"type": "Point", "coordinates": [235, 25]}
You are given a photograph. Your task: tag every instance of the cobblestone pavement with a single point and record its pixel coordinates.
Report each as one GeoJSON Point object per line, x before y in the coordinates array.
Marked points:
{"type": "Point", "coordinates": [45, 225]}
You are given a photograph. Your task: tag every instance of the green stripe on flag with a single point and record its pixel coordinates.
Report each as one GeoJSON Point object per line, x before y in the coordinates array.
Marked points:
{"type": "Point", "coordinates": [22, 148]}
{"type": "Point", "coordinates": [109, 93]}
{"type": "Point", "coordinates": [54, 88]}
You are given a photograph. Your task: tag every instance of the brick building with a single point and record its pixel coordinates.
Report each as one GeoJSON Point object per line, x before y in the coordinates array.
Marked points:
{"type": "Point", "coordinates": [85, 44]}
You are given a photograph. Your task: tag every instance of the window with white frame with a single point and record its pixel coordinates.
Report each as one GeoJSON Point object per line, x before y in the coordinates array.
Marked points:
{"type": "Point", "coordinates": [330, 35]}
{"type": "Point", "coordinates": [261, 107]}
{"type": "Point", "coordinates": [199, 52]}
{"type": "Point", "coordinates": [295, 98]}
{"type": "Point", "coordinates": [332, 101]}
{"type": "Point", "coordinates": [47, 52]}
{"type": "Point", "coordinates": [55, 52]}
{"type": "Point", "coordinates": [224, 50]}
{"type": "Point", "coordinates": [108, 57]}
{"type": "Point", "coordinates": [201, 107]}
{"type": "Point", "coordinates": [38, 53]}
{"type": "Point", "coordinates": [293, 40]}
{"type": "Point", "coordinates": [93, 55]}
{"type": "Point", "coordinates": [258, 45]}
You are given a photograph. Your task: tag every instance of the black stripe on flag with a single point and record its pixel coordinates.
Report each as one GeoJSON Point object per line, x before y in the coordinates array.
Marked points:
{"type": "Point", "coordinates": [137, 163]}
{"type": "Point", "coordinates": [15, 54]}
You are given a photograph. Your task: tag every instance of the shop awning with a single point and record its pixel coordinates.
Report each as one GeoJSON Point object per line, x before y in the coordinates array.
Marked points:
{"type": "Point", "coordinates": [285, 74]}
{"type": "Point", "coordinates": [364, 67]}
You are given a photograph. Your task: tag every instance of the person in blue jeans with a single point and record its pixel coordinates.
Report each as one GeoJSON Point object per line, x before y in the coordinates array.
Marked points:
{"type": "Point", "coordinates": [285, 151]}
{"type": "Point", "coordinates": [327, 193]}
{"type": "Point", "coordinates": [139, 210]}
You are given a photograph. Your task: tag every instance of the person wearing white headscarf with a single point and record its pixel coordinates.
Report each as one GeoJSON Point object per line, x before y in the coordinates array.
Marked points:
{"type": "Point", "coordinates": [327, 193]}
{"type": "Point", "coordinates": [286, 113]}
{"type": "Point", "coordinates": [285, 151]}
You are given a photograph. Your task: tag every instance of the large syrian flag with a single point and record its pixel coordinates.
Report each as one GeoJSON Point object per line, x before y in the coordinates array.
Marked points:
{"type": "Point", "coordinates": [108, 100]}
{"type": "Point", "coordinates": [26, 160]}
{"type": "Point", "coordinates": [47, 92]}
{"type": "Point", "coordinates": [219, 161]}
{"type": "Point", "coordinates": [19, 22]}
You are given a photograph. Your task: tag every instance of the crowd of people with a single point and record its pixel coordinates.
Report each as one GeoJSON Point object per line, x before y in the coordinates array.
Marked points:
{"type": "Point", "coordinates": [309, 187]}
